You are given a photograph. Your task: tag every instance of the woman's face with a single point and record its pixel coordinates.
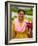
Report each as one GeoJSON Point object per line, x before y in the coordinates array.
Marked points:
{"type": "Point", "coordinates": [21, 15]}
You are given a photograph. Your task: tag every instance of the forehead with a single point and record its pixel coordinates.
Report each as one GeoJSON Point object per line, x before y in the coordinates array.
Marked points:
{"type": "Point", "coordinates": [21, 12]}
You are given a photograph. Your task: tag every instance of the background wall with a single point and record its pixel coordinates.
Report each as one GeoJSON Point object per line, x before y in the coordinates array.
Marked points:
{"type": "Point", "coordinates": [2, 23]}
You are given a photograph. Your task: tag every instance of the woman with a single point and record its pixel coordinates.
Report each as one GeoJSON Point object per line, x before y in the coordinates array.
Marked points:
{"type": "Point", "coordinates": [19, 26]}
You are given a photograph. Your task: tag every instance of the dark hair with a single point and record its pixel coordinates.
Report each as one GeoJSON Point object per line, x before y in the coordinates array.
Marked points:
{"type": "Point", "coordinates": [21, 10]}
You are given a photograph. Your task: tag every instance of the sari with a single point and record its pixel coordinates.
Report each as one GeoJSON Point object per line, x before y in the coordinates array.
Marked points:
{"type": "Point", "coordinates": [19, 29]}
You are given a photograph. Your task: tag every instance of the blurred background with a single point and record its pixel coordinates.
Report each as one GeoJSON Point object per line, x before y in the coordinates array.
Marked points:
{"type": "Point", "coordinates": [28, 12]}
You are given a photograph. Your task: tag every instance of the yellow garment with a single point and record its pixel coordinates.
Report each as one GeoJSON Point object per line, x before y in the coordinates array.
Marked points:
{"type": "Point", "coordinates": [21, 34]}
{"type": "Point", "coordinates": [15, 34]}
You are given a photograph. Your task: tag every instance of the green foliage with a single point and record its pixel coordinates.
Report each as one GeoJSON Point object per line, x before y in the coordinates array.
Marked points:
{"type": "Point", "coordinates": [29, 19]}
{"type": "Point", "coordinates": [27, 11]}
{"type": "Point", "coordinates": [13, 17]}
{"type": "Point", "coordinates": [14, 9]}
